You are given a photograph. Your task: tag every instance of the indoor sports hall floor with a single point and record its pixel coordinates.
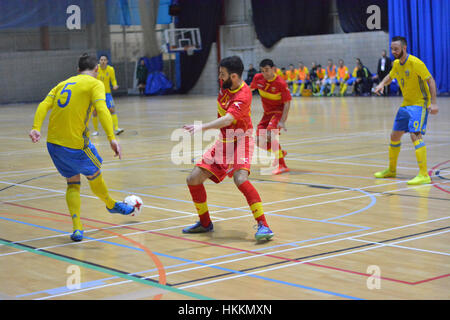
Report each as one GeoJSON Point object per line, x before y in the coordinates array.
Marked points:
{"type": "Point", "coordinates": [339, 233]}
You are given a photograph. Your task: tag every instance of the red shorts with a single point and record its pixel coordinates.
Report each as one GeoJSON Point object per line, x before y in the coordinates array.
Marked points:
{"type": "Point", "coordinates": [269, 121]}
{"type": "Point", "coordinates": [225, 158]}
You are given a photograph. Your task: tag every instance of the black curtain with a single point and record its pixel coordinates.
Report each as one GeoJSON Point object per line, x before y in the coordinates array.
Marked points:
{"type": "Point", "coordinates": [353, 14]}
{"type": "Point", "coordinates": [205, 15]}
{"type": "Point", "coordinates": [277, 19]}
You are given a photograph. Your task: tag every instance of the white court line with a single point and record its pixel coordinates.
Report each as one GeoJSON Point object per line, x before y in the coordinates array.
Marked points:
{"type": "Point", "coordinates": [403, 247]}
{"type": "Point", "coordinates": [221, 219]}
{"type": "Point", "coordinates": [87, 196]}
{"type": "Point", "coordinates": [349, 189]}
{"type": "Point", "coordinates": [34, 198]}
{"type": "Point", "coordinates": [305, 261]}
{"type": "Point", "coordinates": [380, 152]}
{"type": "Point", "coordinates": [246, 258]}
{"type": "Point", "coordinates": [353, 164]}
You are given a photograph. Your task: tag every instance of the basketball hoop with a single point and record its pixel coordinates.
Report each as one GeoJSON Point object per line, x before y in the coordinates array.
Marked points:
{"type": "Point", "coordinates": [189, 50]}
{"type": "Point", "coordinates": [182, 39]}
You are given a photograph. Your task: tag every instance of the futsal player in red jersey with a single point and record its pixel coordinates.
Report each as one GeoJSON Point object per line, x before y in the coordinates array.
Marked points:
{"type": "Point", "coordinates": [276, 99]}
{"type": "Point", "coordinates": [231, 154]}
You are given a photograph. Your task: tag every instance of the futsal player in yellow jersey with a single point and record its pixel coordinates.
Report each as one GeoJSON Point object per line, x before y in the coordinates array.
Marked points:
{"type": "Point", "coordinates": [419, 99]}
{"type": "Point", "coordinates": [71, 103]}
{"type": "Point", "coordinates": [107, 75]}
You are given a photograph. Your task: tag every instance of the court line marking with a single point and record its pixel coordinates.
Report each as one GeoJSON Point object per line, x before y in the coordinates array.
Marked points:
{"type": "Point", "coordinates": [270, 254]}
{"type": "Point", "coordinates": [433, 169]}
{"type": "Point", "coordinates": [380, 152]}
{"type": "Point", "coordinates": [230, 218]}
{"type": "Point", "coordinates": [159, 270]}
{"type": "Point", "coordinates": [403, 247]}
{"type": "Point", "coordinates": [103, 270]}
{"type": "Point", "coordinates": [298, 263]}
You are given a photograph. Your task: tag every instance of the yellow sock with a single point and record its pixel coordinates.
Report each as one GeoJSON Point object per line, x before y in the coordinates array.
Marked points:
{"type": "Point", "coordinates": [99, 188]}
{"type": "Point", "coordinates": [295, 88]}
{"type": "Point", "coordinates": [394, 151]}
{"type": "Point", "coordinates": [115, 121]}
{"type": "Point", "coordinates": [74, 204]}
{"type": "Point", "coordinates": [95, 123]}
{"type": "Point", "coordinates": [257, 209]}
{"type": "Point", "coordinates": [421, 156]}
{"type": "Point", "coordinates": [344, 88]}
{"type": "Point", "coordinates": [333, 85]}
{"type": "Point", "coordinates": [302, 86]}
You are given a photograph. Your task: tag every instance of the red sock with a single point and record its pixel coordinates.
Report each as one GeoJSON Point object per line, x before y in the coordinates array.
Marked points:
{"type": "Point", "coordinates": [281, 162]}
{"type": "Point", "coordinates": [198, 194]}
{"type": "Point", "coordinates": [254, 201]}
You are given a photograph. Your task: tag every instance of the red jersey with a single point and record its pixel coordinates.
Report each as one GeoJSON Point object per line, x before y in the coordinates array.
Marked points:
{"type": "Point", "coordinates": [274, 93]}
{"type": "Point", "coordinates": [238, 103]}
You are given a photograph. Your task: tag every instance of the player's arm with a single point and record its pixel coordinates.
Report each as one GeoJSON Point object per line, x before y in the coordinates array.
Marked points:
{"type": "Point", "coordinates": [113, 79]}
{"type": "Point", "coordinates": [282, 122]}
{"type": "Point", "coordinates": [103, 114]}
{"type": "Point", "coordinates": [218, 123]}
{"type": "Point", "coordinates": [105, 118]}
{"type": "Point", "coordinates": [386, 81]}
{"type": "Point", "coordinates": [422, 72]}
{"type": "Point", "coordinates": [41, 113]}
{"type": "Point", "coordinates": [432, 108]}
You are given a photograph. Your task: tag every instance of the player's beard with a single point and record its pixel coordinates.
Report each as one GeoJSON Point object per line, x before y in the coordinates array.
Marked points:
{"type": "Point", "coordinates": [400, 56]}
{"type": "Point", "coordinates": [227, 84]}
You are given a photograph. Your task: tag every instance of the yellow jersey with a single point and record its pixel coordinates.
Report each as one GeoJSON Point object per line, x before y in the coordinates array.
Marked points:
{"type": "Point", "coordinates": [71, 103]}
{"type": "Point", "coordinates": [412, 76]}
{"type": "Point", "coordinates": [108, 77]}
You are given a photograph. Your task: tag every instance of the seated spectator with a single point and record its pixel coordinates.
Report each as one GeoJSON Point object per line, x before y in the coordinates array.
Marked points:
{"type": "Point", "coordinates": [329, 79]}
{"type": "Point", "coordinates": [291, 79]}
{"type": "Point", "coordinates": [303, 78]}
{"type": "Point", "coordinates": [363, 82]}
{"type": "Point", "coordinates": [351, 81]}
{"type": "Point", "coordinates": [343, 77]}
{"type": "Point", "coordinates": [320, 72]}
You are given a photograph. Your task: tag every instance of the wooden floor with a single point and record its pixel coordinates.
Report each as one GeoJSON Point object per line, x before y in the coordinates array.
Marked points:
{"type": "Point", "coordinates": [339, 233]}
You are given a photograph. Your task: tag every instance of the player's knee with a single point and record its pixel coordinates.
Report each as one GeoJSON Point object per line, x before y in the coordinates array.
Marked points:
{"type": "Point", "coordinates": [193, 179]}
{"type": "Point", "coordinates": [239, 178]}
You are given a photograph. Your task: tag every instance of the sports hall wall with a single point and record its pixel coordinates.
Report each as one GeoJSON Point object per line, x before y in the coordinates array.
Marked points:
{"type": "Point", "coordinates": [238, 37]}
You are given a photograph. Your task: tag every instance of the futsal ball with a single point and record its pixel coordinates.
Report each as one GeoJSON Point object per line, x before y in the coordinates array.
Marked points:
{"type": "Point", "coordinates": [136, 202]}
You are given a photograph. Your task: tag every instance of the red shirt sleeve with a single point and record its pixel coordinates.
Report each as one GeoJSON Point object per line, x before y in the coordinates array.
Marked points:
{"type": "Point", "coordinates": [285, 93]}
{"type": "Point", "coordinates": [237, 109]}
{"type": "Point", "coordinates": [253, 85]}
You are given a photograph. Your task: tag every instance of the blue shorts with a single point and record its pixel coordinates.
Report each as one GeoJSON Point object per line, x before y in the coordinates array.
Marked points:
{"type": "Point", "coordinates": [109, 101]}
{"type": "Point", "coordinates": [303, 81]}
{"type": "Point", "coordinates": [330, 81]}
{"type": "Point", "coordinates": [351, 81]}
{"type": "Point", "coordinates": [411, 119]}
{"type": "Point", "coordinates": [71, 162]}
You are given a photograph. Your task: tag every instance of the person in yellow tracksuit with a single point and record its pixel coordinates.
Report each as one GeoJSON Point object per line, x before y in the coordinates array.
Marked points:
{"type": "Point", "coordinates": [107, 75]}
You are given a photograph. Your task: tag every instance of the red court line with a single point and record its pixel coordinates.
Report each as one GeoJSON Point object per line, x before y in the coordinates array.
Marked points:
{"type": "Point", "coordinates": [232, 248]}
{"type": "Point", "coordinates": [431, 173]}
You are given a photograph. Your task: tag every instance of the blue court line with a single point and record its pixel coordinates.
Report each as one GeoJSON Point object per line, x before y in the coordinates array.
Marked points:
{"type": "Point", "coordinates": [371, 204]}
{"type": "Point", "coordinates": [101, 281]}
{"type": "Point", "coordinates": [195, 262]}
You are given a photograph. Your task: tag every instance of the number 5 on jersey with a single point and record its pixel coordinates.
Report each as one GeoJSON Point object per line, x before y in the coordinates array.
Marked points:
{"type": "Point", "coordinates": [69, 94]}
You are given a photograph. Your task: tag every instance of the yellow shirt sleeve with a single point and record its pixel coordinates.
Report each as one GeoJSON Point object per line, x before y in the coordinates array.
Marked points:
{"type": "Point", "coordinates": [99, 103]}
{"type": "Point", "coordinates": [393, 72]}
{"type": "Point", "coordinates": [43, 109]}
{"type": "Point", "coordinates": [113, 77]}
{"type": "Point", "coordinates": [422, 70]}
